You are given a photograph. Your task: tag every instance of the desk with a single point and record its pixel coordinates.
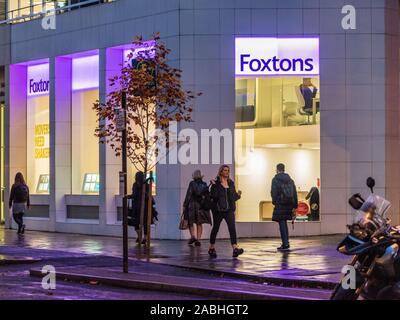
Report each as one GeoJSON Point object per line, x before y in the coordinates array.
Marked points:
{"type": "Point", "coordinates": [314, 110]}
{"type": "Point", "coordinates": [266, 208]}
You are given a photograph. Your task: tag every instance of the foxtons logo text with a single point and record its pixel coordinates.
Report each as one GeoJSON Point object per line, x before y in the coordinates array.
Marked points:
{"type": "Point", "coordinates": [276, 56]}
{"type": "Point", "coordinates": [275, 64]}
{"type": "Point", "coordinates": [38, 87]}
{"type": "Point", "coordinates": [37, 80]}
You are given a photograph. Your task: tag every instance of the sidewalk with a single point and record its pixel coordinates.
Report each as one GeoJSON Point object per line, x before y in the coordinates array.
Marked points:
{"type": "Point", "coordinates": [312, 262]}
{"type": "Point", "coordinates": [191, 284]}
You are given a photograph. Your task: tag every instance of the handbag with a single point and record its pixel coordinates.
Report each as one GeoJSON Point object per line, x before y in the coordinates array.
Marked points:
{"type": "Point", "coordinates": [183, 223]}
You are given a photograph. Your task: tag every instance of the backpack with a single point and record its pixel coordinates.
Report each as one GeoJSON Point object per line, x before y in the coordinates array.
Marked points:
{"type": "Point", "coordinates": [287, 195]}
{"type": "Point", "coordinates": [202, 196]}
{"type": "Point", "coordinates": [21, 193]}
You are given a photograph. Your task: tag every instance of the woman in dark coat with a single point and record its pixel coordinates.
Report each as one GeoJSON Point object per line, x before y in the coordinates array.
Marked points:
{"type": "Point", "coordinates": [224, 196]}
{"type": "Point", "coordinates": [19, 201]}
{"type": "Point", "coordinates": [136, 197]}
{"type": "Point", "coordinates": [194, 213]}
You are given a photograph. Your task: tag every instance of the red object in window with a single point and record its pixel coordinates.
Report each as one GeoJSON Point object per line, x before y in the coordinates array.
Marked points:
{"type": "Point", "coordinates": [302, 209]}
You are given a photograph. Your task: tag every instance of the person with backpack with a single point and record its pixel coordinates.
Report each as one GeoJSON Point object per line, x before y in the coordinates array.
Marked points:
{"type": "Point", "coordinates": [195, 207]}
{"type": "Point", "coordinates": [284, 199]}
{"type": "Point", "coordinates": [224, 196]}
{"type": "Point", "coordinates": [19, 201]}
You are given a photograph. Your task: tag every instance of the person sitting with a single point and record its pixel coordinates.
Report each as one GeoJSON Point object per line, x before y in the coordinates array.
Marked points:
{"type": "Point", "coordinates": [309, 92]}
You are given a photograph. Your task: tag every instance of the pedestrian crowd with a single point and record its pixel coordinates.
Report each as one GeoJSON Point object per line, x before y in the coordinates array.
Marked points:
{"type": "Point", "coordinates": [203, 204]}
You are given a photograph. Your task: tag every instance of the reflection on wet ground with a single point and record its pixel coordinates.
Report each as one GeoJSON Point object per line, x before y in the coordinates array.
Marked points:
{"type": "Point", "coordinates": [310, 257]}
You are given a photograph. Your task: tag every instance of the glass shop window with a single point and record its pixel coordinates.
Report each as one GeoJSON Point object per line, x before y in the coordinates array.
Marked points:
{"type": "Point", "coordinates": [85, 146]}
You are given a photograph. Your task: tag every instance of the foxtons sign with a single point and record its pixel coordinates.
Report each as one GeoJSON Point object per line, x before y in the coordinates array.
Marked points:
{"type": "Point", "coordinates": [276, 56]}
{"type": "Point", "coordinates": [39, 87]}
{"type": "Point", "coordinates": [38, 80]}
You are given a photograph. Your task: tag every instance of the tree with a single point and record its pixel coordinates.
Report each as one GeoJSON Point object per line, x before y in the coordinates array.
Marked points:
{"type": "Point", "coordinates": [154, 99]}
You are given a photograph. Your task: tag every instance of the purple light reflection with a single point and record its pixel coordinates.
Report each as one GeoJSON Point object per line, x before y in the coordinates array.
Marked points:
{"type": "Point", "coordinates": [85, 73]}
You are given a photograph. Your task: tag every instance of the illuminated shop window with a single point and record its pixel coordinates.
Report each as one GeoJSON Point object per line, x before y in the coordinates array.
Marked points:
{"type": "Point", "coordinates": [91, 183]}
{"type": "Point", "coordinates": [140, 50]}
{"type": "Point", "coordinates": [25, 8]}
{"type": "Point", "coordinates": [38, 128]}
{"type": "Point", "coordinates": [85, 146]}
{"type": "Point", "coordinates": [277, 121]}
{"type": "Point", "coordinates": [245, 99]}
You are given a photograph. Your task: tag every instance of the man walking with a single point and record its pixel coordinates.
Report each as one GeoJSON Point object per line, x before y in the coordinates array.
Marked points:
{"type": "Point", "coordinates": [284, 198]}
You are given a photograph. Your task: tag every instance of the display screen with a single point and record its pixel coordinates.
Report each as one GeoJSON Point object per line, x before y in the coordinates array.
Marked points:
{"type": "Point", "coordinates": [43, 185]}
{"type": "Point", "coordinates": [91, 183]}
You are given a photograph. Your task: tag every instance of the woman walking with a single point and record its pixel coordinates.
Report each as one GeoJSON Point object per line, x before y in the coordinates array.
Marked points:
{"type": "Point", "coordinates": [192, 206]}
{"type": "Point", "coordinates": [224, 196]}
{"type": "Point", "coordinates": [19, 201]}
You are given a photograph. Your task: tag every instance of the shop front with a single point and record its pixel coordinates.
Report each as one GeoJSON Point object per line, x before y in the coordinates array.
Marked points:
{"type": "Point", "coordinates": [277, 109]}
{"type": "Point", "coordinates": [279, 85]}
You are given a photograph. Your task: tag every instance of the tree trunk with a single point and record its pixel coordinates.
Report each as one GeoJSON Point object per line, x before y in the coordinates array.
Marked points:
{"type": "Point", "coordinates": [142, 206]}
{"type": "Point", "coordinates": [149, 211]}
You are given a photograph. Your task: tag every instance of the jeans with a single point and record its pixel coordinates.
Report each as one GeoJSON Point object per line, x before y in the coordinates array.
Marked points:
{"type": "Point", "coordinates": [229, 217]}
{"type": "Point", "coordinates": [18, 218]}
{"type": "Point", "coordinates": [284, 230]}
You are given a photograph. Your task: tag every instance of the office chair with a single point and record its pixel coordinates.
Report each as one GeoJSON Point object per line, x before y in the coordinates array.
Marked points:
{"type": "Point", "coordinates": [302, 104]}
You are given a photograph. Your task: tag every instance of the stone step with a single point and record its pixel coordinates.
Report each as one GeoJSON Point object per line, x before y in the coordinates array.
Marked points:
{"type": "Point", "coordinates": [8, 260]}
{"type": "Point", "coordinates": [216, 288]}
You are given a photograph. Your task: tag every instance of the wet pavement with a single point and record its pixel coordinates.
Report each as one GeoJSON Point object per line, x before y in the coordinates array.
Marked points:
{"type": "Point", "coordinates": [208, 286]}
{"type": "Point", "coordinates": [310, 258]}
{"type": "Point", "coordinates": [17, 284]}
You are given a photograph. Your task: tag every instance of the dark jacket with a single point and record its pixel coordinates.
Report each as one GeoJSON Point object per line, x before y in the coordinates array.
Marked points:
{"type": "Point", "coordinates": [308, 96]}
{"type": "Point", "coordinates": [313, 197]}
{"type": "Point", "coordinates": [14, 196]}
{"type": "Point", "coordinates": [224, 199]}
{"type": "Point", "coordinates": [193, 210]}
{"type": "Point", "coordinates": [282, 211]}
{"type": "Point", "coordinates": [136, 204]}
{"type": "Point", "coordinates": [195, 191]}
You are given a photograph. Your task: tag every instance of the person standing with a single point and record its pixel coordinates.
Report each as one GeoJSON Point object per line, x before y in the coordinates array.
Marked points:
{"type": "Point", "coordinates": [193, 208]}
{"type": "Point", "coordinates": [137, 190]}
{"type": "Point", "coordinates": [224, 196]}
{"type": "Point", "coordinates": [284, 199]}
{"type": "Point", "coordinates": [19, 201]}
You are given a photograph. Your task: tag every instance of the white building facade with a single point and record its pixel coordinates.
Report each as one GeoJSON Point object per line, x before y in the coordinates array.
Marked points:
{"type": "Point", "coordinates": [330, 141]}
